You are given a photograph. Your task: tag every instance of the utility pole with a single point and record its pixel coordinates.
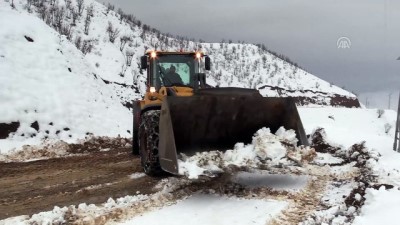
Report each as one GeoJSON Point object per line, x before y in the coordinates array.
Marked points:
{"type": "Point", "coordinates": [396, 145]}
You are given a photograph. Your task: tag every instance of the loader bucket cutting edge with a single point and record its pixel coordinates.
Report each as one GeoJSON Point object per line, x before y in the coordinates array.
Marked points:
{"type": "Point", "coordinates": [205, 122]}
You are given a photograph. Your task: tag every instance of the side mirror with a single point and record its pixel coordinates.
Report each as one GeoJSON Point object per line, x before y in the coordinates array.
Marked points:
{"type": "Point", "coordinates": [207, 62]}
{"type": "Point", "coordinates": [143, 62]}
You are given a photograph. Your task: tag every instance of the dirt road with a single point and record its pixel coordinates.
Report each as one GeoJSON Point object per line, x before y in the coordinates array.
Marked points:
{"type": "Point", "coordinates": [32, 187]}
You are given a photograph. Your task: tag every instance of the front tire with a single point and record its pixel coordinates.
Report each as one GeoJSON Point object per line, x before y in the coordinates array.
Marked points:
{"type": "Point", "coordinates": [148, 142]}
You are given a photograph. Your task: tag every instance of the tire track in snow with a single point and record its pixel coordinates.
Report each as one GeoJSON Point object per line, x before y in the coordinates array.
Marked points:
{"type": "Point", "coordinates": [305, 202]}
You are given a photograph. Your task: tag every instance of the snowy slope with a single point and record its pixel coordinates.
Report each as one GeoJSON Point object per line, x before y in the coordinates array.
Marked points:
{"type": "Point", "coordinates": [49, 88]}
{"type": "Point", "coordinates": [55, 89]}
{"type": "Point", "coordinates": [238, 65]}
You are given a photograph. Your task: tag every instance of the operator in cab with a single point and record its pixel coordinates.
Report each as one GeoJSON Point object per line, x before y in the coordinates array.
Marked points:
{"type": "Point", "coordinates": [172, 77]}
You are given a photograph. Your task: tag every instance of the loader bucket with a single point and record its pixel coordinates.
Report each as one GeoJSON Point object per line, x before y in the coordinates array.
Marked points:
{"type": "Point", "coordinates": [209, 121]}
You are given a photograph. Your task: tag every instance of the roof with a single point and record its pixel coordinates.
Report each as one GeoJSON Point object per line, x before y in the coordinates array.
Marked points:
{"type": "Point", "coordinates": [172, 53]}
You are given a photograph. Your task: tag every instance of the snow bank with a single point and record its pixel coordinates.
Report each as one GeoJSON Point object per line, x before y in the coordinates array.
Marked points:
{"type": "Point", "coordinates": [265, 149]}
{"type": "Point", "coordinates": [86, 213]}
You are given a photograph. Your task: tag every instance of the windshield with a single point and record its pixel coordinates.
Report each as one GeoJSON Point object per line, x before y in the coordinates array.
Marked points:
{"type": "Point", "coordinates": [174, 70]}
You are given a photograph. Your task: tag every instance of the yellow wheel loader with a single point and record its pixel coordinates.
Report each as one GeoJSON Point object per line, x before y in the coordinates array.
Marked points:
{"type": "Point", "coordinates": [180, 113]}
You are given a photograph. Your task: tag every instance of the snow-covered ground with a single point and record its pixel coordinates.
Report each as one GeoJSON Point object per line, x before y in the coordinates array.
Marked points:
{"type": "Point", "coordinates": [202, 209]}
{"type": "Point", "coordinates": [348, 126]}
{"type": "Point", "coordinates": [345, 127]}
{"type": "Point", "coordinates": [381, 207]}
{"type": "Point", "coordinates": [273, 195]}
{"type": "Point", "coordinates": [56, 92]}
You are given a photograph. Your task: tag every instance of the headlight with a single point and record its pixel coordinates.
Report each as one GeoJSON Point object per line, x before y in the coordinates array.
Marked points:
{"type": "Point", "coordinates": [152, 89]}
{"type": "Point", "coordinates": [198, 55]}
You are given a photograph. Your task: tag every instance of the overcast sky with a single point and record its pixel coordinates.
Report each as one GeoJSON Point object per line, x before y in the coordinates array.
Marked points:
{"type": "Point", "coordinates": [306, 31]}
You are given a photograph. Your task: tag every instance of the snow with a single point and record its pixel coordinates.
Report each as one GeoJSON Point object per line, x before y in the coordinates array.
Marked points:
{"type": "Point", "coordinates": [201, 209]}
{"type": "Point", "coordinates": [381, 207]}
{"type": "Point", "coordinates": [36, 85]}
{"type": "Point", "coordinates": [326, 158]}
{"type": "Point", "coordinates": [258, 178]}
{"type": "Point", "coordinates": [50, 81]}
{"type": "Point", "coordinates": [351, 126]}
{"type": "Point", "coordinates": [266, 148]}
{"type": "Point", "coordinates": [87, 212]}
{"type": "Point", "coordinates": [137, 175]}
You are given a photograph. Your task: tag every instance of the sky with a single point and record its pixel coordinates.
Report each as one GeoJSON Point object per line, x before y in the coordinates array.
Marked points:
{"type": "Point", "coordinates": [307, 31]}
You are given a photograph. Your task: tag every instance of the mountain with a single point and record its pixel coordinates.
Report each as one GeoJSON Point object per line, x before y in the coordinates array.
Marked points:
{"type": "Point", "coordinates": [70, 69]}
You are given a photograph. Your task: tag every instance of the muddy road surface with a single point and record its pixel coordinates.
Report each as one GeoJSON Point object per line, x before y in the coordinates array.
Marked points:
{"type": "Point", "coordinates": [32, 187]}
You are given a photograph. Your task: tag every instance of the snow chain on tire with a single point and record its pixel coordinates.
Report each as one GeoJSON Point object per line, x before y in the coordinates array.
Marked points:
{"type": "Point", "coordinates": [148, 142]}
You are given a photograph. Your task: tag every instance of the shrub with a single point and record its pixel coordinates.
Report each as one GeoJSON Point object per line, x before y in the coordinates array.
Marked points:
{"type": "Point", "coordinates": [380, 112]}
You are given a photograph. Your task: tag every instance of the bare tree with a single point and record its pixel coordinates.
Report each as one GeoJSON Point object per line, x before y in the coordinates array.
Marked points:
{"type": "Point", "coordinates": [124, 67]}
{"type": "Point", "coordinates": [90, 10]}
{"type": "Point", "coordinates": [74, 16]}
{"type": "Point", "coordinates": [68, 4]}
{"type": "Point", "coordinates": [80, 7]}
{"type": "Point", "coordinates": [112, 32]}
{"type": "Point", "coordinates": [87, 22]}
{"type": "Point", "coordinates": [59, 17]}
{"type": "Point", "coordinates": [42, 10]}
{"type": "Point", "coordinates": [121, 14]}
{"type": "Point", "coordinates": [87, 46]}
{"type": "Point", "coordinates": [109, 7]}
{"type": "Point", "coordinates": [380, 112]}
{"type": "Point", "coordinates": [78, 42]}
{"type": "Point", "coordinates": [12, 4]}
{"type": "Point", "coordinates": [66, 30]}
{"type": "Point", "coordinates": [123, 40]}
{"type": "Point", "coordinates": [129, 55]}
{"type": "Point", "coordinates": [28, 5]}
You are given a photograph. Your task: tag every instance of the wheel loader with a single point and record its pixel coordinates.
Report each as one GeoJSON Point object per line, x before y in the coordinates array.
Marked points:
{"type": "Point", "coordinates": [180, 113]}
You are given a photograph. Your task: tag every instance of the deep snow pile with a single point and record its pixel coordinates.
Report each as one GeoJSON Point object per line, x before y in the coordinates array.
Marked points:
{"type": "Point", "coordinates": [48, 88]}
{"type": "Point", "coordinates": [266, 149]}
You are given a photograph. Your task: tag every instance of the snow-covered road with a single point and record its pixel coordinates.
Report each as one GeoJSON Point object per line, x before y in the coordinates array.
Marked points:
{"type": "Point", "coordinates": [344, 183]}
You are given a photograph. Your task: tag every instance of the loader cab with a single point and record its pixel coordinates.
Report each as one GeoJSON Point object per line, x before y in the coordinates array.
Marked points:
{"type": "Point", "coordinates": [178, 69]}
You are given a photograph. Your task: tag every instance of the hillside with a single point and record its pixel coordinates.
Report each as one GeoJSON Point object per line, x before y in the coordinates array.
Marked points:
{"type": "Point", "coordinates": [82, 82]}
{"type": "Point", "coordinates": [47, 88]}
